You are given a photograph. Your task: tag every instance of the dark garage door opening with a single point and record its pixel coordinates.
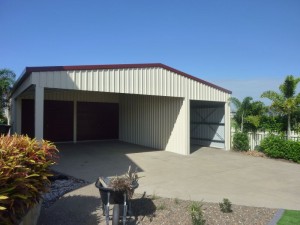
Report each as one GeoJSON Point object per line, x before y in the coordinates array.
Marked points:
{"type": "Point", "coordinates": [58, 120]}
{"type": "Point", "coordinates": [97, 121]}
{"type": "Point", "coordinates": [27, 117]}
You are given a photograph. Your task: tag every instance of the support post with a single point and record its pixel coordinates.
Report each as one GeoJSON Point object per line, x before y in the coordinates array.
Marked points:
{"type": "Point", "coordinates": [17, 115]}
{"type": "Point", "coordinates": [227, 126]}
{"type": "Point", "coordinates": [75, 122]}
{"type": "Point", "coordinates": [186, 103]}
{"type": "Point", "coordinates": [39, 112]}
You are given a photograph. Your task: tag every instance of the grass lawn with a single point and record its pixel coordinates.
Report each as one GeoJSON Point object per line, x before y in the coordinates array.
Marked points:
{"type": "Point", "coordinates": [290, 217]}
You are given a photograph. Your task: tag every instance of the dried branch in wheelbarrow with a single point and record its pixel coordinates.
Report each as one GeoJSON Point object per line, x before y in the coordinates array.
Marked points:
{"type": "Point", "coordinates": [127, 182]}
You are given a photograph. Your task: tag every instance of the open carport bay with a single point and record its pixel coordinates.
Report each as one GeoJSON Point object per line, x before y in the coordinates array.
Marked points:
{"type": "Point", "coordinates": [69, 116]}
{"type": "Point", "coordinates": [208, 174]}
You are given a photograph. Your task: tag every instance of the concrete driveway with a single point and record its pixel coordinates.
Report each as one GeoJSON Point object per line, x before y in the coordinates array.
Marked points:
{"type": "Point", "coordinates": [208, 174]}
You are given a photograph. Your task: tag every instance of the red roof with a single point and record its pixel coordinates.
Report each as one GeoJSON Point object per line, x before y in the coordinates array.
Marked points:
{"type": "Point", "coordinates": [29, 70]}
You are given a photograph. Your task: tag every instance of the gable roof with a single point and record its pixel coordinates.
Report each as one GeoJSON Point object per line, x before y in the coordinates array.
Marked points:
{"type": "Point", "coordinates": [29, 70]}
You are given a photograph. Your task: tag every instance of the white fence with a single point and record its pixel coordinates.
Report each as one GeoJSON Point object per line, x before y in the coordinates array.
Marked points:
{"type": "Point", "coordinates": [256, 138]}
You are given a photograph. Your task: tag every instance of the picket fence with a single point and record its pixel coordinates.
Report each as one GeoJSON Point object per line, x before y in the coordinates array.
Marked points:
{"type": "Point", "coordinates": [256, 138]}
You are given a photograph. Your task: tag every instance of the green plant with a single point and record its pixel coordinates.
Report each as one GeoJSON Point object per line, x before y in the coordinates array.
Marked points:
{"type": "Point", "coordinates": [24, 171]}
{"type": "Point", "coordinates": [290, 217]}
{"type": "Point", "coordinates": [176, 200]}
{"type": "Point", "coordinates": [154, 196]}
{"type": "Point", "coordinates": [161, 207]}
{"type": "Point", "coordinates": [248, 113]}
{"type": "Point", "coordinates": [286, 102]}
{"type": "Point", "coordinates": [7, 79]}
{"type": "Point", "coordinates": [225, 206]}
{"type": "Point", "coordinates": [197, 214]}
{"type": "Point", "coordinates": [240, 142]}
{"type": "Point", "coordinates": [278, 147]}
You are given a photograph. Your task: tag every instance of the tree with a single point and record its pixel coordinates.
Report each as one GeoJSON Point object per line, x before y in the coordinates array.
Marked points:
{"type": "Point", "coordinates": [254, 119]}
{"type": "Point", "coordinates": [248, 113]}
{"type": "Point", "coordinates": [286, 102]}
{"type": "Point", "coordinates": [242, 110]}
{"type": "Point", "coordinates": [7, 79]}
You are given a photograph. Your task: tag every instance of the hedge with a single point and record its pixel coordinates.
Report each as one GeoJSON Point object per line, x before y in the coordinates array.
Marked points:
{"type": "Point", "coordinates": [24, 172]}
{"type": "Point", "coordinates": [278, 147]}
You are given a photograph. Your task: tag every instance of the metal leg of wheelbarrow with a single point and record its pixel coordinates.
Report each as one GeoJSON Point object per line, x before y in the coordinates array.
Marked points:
{"type": "Point", "coordinates": [124, 210]}
{"type": "Point", "coordinates": [107, 209]}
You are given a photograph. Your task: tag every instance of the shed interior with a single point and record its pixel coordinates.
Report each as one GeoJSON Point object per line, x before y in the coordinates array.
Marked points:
{"type": "Point", "coordinates": [151, 121]}
{"type": "Point", "coordinates": [207, 124]}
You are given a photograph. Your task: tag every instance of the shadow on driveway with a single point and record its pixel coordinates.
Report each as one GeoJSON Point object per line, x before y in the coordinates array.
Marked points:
{"type": "Point", "coordinates": [72, 210]}
{"type": "Point", "coordinates": [89, 160]}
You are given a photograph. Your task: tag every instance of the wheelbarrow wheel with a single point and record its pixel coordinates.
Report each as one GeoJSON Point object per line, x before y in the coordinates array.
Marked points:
{"type": "Point", "coordinates": [116, 214]}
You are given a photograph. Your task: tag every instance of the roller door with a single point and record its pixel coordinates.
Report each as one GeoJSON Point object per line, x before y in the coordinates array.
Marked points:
{"type": "Point", "coordinates": [97, 121]}
{"type": "Point", "coordinates": [58, 120]}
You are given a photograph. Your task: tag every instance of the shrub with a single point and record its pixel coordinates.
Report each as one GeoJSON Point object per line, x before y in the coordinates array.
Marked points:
{"type": "Point", "coordinates": [277, 147]}
{"type": "Point", "coordinates": [197, 214]}
{"type": "Point", "coordinates": [24, 171]}
{"type": "Point", "coordinates": [225, 206]}
{"type": "Point", "coordinates": [240, 142]}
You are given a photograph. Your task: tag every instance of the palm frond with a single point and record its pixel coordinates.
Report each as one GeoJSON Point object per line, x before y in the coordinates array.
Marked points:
{"type": "Point", "coordinates": [272, 95]}
{"type": "Point", "coordinates": [236, 102]}
{"type": "Point", "coordinates": [289, 86]}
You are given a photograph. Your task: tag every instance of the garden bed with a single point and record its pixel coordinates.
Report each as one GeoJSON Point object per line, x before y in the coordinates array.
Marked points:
{"type": "Point", "coordinates": [60, 185]}
{"type": "Point", "coordinates": [155, 210]}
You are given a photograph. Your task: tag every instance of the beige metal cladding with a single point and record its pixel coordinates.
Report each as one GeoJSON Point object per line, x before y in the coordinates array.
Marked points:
{"type": "Point", "coordinates": [157, 122]}
{"type": "Point", "coordinates": [145, 81]}
{"type": "Point", "coordinates": [71, 95]}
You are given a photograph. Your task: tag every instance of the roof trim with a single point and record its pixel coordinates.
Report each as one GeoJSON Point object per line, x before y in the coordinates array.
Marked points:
{"type": "Point", "coordinates": [29, 70]}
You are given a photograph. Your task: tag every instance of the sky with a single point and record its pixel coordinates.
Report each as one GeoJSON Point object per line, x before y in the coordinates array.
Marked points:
{"type": "Point", "coordinates": [246, 46]}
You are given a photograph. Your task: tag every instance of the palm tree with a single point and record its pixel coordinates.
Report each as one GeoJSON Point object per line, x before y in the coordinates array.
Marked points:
{"type": "Point", "coordinates": [286, 102]}
{"type": "Point", "coordinates": [242, 109]}
{"type": "Point", "coordinates": [7, 79]}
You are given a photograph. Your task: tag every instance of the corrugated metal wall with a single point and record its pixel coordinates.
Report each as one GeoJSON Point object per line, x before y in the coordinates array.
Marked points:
{"type": "Point", "coordinates": [68, 95]}
{"type": "Point", "coordinates": [144, 81]}
{"type": "Point", "coordinates": [157, 122]}
{"type": "Point", "coordinates": [207, 124]}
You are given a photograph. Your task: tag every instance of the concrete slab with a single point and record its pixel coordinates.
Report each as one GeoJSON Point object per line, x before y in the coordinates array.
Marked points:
{"type": "Point", "coordinates": [208, 174]}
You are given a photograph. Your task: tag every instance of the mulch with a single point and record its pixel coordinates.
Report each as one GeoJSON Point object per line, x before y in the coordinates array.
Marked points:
{"type": "Point", "coordinates": [157, 211]}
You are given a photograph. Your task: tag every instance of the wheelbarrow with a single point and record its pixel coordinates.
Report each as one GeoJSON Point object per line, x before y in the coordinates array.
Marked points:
{"type": "Point", "coordinates": [117, 198]}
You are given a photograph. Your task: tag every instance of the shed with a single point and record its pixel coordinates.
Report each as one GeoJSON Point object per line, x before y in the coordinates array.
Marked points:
{"type": "Point", "coordinates": [152, 105]}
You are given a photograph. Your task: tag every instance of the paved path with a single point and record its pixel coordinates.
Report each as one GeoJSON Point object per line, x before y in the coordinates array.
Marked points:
{"type": "Point", "coordinates": [207, 174]}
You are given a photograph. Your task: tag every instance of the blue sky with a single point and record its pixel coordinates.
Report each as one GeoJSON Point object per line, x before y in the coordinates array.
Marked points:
{"type": "Point", "coordinates": [247, 46]}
